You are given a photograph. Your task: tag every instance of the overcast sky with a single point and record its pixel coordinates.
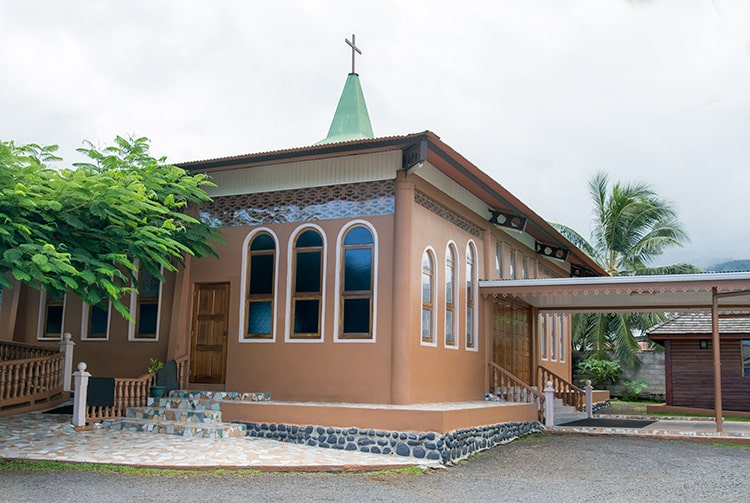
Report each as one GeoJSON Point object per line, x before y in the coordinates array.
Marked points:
{"type": "Point", "coordinates": [538, 94]}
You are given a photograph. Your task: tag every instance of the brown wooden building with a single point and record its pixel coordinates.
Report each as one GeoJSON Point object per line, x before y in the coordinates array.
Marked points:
{"type": "Point", "coordinates": [689, 367]}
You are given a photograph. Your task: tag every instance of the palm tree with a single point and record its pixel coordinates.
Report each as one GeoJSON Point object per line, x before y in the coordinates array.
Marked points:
{"type": "Point", "coordinates": [631, 227]}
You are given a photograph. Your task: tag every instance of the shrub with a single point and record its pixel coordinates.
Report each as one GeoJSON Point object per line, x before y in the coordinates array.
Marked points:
{"type": "Point", "coordinates": [600, 372]}
{"type": "Point", "coordinates": [633, 389]}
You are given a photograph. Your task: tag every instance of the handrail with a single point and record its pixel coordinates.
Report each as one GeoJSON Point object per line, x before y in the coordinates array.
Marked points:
{"type": "Point", "coordinates": [570, 394]}
{"type": "Point", "coordinates": [31, 381]}
{"type": "Point", "coordinates": [19, 351]}
{"type": "Point", "coordinates": [510, 388]}
{"type": "Point", "coordinates": [132, 392]}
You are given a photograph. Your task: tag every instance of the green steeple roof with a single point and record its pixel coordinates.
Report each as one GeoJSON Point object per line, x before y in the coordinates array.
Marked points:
{"type": "Point", "coordinates": [351, 120]}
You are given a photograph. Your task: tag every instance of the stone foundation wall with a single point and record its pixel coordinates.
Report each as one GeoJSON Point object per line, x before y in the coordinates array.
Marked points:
{"type": "Point", "coordinates": [446, 448]}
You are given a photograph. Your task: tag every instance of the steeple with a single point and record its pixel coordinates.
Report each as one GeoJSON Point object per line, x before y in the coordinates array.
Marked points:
{"type": "Point", "coordinates": [351, 120]}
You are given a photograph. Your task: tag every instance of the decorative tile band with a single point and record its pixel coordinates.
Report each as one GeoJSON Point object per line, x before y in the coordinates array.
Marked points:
{"type": "Point", "coordinates": [447, 448]}
{"type": "Point", "coordinates": [441, 211]}
{"type": "Point", "coordinates": [301, 205]}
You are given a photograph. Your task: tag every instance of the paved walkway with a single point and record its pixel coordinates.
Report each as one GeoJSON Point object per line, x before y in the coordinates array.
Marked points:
{"type": "Point", "coordinates": [50, 437]}
{"type": "Point", "coordinates": [37, 436]}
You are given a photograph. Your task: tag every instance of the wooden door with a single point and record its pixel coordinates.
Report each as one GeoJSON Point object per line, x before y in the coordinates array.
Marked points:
{"type": "Point", "coordinates": [511, 340]}
{"type": "Point", "coordinates": [208, 341]}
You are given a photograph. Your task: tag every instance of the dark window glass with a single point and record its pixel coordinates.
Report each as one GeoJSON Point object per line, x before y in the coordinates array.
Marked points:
{"type": "Point", "coordinates": [309, 239]}
{"type": "Point", "coordinates": [306, 316]}
{"type": "Point", "coordinates": [260, 318]}
{"type": "Point", "coordinates": [99, 318]}
{"type": "Point", "coordinates": [262, 242]}
{"type": "Point", "coordinates": [54, 320]}
{"type": "Point", "coordinates": [147, 319]}
{"type": "Point", "coordinates": [358, 236]}
{"type": "Point", "coordinates": [358, 264]}
{"type": "Point", "coordinates": [356, 316]}
{"type": "Point", "coordinates": [261, 274]}
{"type": "Point", "coordinates": [308, 272]}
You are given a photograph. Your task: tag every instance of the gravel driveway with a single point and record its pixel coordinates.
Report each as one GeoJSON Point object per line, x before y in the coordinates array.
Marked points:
{"type": "Point", "coordinates": [543, 468]}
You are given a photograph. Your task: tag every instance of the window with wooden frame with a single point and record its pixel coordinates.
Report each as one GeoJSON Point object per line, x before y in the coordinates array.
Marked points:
{"type": "Point", "coordinates": [356, 299]}
{"type": "Point", "coordinates": [512, 264]}
{"type": "Point", "coordinates": [470, 297]}
{"type": "Point", "coordinates": [145, 303]}
{"type": "Point", "coordinates": [95, 322]}
{"type": "Point", "coordinates": [428, 297]}
{"type": "Point", "coordinates": [450, 297]}
{"type": "Point", "coordinates": [498, 261]}
{"type": "Point", "coordinates": [307, 290]}
{"type": "Point", "coordinates": [746, 358]}
{"type": "Point", "coordinates": [543, 335]}
{"type": "Point", "coordinates": [553, 339]}
{"type": "Point", "coordinates": [524, 268]}
{"type": "Point", "coordinates": [561, 337]}
{"type": "Point", "coordinates": [51, 316]}
{"type": "Point", "coordinates": [261, 277]}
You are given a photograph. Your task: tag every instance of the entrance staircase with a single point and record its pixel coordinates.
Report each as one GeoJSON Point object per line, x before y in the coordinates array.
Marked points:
{"type": "Point", "coordinates": [186, 413]}
{"type": "Point", "coordinates": [566, 413]}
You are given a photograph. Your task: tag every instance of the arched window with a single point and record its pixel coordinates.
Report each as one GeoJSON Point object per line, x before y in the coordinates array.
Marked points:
{"type": "Point", "coordinates": [307, 290]}
{"type": "Point", "coordinates": [428, 297]}
{"type": "Point", "coordinates": [450, 297]}
{"type": "Point", "coordinates": [357, 288]}
{"type": "Point", "coordinates": [261, 276]}
{"type": "Point", "coordinates": [470, 296]}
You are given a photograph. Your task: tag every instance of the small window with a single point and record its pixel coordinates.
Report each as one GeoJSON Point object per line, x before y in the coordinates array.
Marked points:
{"type": "Point", "coordinates": [357, 292]}
{"type": "Point", "coordinates": [147, 301]}
{"type": "Point", "coordinates": [512, 265]}
{"type": "Point", "coordinates": [543, 334]}
{"type": "Point", "coordinates": [261, 271]}
{"type": "Point", "coordinates": [470, 297]}
{"type": "Point", "coordinates": [52, 316]}
{"type": "Point", "coordinates": [95, 322]}
{"type": "Point", "coordinates": [561, 337]}
{"type": "Point", "coordinates": [428, 293]}
{"type": "Point", "coordinates": [552, 338]}
{"type": "Point", "coordinates": [498, 261]}
{"type": "Point", "coordinates": [307, 290]}
{"type": "Point", "coordinates": [524, 268]}
{"type": "Point", "coordinates": [746, 358]}
{"type": "Point", "coordinates": [450, 297]}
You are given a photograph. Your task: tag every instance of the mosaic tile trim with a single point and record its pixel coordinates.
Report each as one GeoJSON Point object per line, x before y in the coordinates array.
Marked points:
{"type": "Point", "coordinates": [184, 403]}
{"type": "Point", "coordinates": [178, 415]}
{"type": "Point", "coordinates": [242, 396]}
{"type": "Point", "coordinates": [301, 205]}
{"type": "Point", "coordinates": [222, 430]}
{"type": "Point", "coordinates": [441, 211]}
{"type": "Point", "coordinates": [446, 448]}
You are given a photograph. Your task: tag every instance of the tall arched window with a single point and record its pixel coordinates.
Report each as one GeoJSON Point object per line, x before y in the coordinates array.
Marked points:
{"type": "Point", "coordinates": [357, 288]}
{"type": "Point", "coordinates": [307, 289]}
{"type": "Point", "coordinates": [450, 297]}
{"type": "Point", "coordinates": [261, 276]}
{"type": "Point", "coordinates": [428, 297]}
{"type": "Point", "coordinates": [470, 296]}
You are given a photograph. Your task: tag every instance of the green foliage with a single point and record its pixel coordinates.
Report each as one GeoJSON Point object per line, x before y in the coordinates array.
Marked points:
{"type": "Point", "coordinates": [600, 372]}
{"type": "Point", "coordinates": [631, 226]}
{"type": "Point", "coordinates": [633, 389]}
{"type": "Point", "coordinates": [87, 230]}
{"type": "Point", "coordinates": [154, 365]}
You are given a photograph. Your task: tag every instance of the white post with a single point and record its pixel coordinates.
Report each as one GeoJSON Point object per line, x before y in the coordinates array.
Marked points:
{"type": "Point", "coordinates": [589, 399]}
{"type": "Point", "coordinates": [79, 400]}
{"type": "Point", "coordinates": [549, 405]}
{"type": "Point", "coordinates": [66, 346]}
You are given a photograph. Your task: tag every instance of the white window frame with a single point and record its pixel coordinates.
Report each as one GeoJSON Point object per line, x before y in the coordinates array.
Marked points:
{"type": "Point", "coordinates": [244, 285]}
{"type": "Point", "coordinates": [42, 318]}
{"type": "Point", "coordinates": [290, 283]}
{"type": "Point", "coordinates": [435, 300]}
{"type": "Point", "coordinates": [456, 331]}
{"type": "Point", "coordinates": [471, 248]}
{"type": "Point", "coordinates": [132, 336]}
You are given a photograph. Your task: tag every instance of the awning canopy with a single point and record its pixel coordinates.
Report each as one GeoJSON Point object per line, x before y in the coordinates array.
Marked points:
{"type": "Point", "coordinates": [670, 293]}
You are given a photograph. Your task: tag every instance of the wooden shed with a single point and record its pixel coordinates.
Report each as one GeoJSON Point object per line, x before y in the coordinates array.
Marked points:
{"type": "Point", "coordinates": [689, 366]}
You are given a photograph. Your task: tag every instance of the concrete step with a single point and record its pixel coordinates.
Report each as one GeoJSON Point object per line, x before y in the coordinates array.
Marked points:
{"type": "Point", "coordinates": [181, 415]}
{"type": "Point", "coordinates": [242, 396]}
{"type": "Point", "coordinates": [174, 402]}
{"type": "Point", "coordinates": [201, 430]}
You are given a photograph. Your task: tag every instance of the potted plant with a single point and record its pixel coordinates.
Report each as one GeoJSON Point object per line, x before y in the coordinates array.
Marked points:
{"type": "Point", "coordinates": [153, 366]}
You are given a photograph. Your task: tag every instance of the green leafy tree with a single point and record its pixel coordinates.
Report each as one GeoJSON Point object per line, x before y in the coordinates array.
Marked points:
{"type": "Point", "coordinates": [88, 229]}
{"type": "Point", "coordinates": [632, 226]}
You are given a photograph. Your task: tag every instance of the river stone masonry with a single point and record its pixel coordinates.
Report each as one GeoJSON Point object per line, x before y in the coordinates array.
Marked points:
{"type": "Point", "coordinates": [447, 448]}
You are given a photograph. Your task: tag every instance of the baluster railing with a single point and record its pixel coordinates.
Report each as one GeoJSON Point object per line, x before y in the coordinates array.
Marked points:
{"type": "Point", "coordinates": [570, 394]}
{"type": "Point", "coordinates": [29, 381]}
{"type": "Point", "coordinates": [510, 388]}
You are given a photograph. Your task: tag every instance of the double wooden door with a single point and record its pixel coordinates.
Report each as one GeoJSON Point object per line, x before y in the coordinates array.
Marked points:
{"type": "Point", "coordinates": [511, 340]}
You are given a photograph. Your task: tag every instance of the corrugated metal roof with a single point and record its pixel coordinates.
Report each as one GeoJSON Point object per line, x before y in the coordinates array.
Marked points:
{"type": "Point", "coordinates": [737, 322]}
